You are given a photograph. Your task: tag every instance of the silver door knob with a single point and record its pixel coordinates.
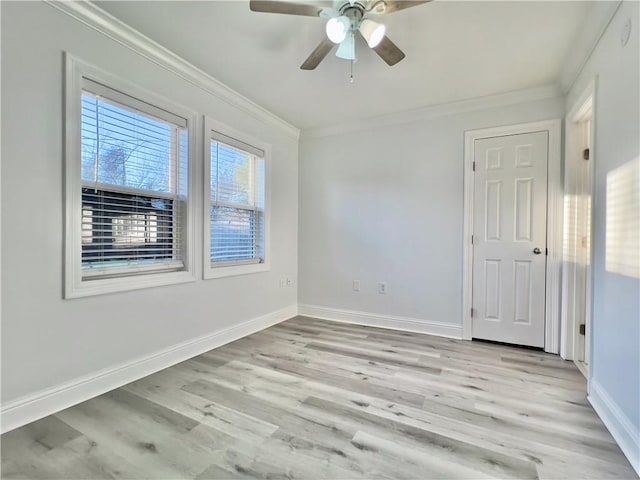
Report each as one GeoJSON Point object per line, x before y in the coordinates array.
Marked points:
{"type": "Point", "coordinates": [537, 251]}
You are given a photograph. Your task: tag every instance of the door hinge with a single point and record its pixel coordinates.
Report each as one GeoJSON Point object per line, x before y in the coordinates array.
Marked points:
{"type": "Point", "coordinates": [582, 329]}
{"type": "Point", "coordinates": [472, 239]}
{"type": "Point", "coordinates": [473, 166]}
{"type": "Point", "coordinates": [472, 312]}
{"type": "Point", "coordinates": [585, 154]}
{"type": "Point", "coordinates": [546, 251]}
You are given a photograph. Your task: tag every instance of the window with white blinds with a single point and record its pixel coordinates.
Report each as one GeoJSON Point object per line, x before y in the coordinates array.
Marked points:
{"type": "Point", "coordinates": [237, 202]}
{"type": "Point", "coordinates": [133, 170]}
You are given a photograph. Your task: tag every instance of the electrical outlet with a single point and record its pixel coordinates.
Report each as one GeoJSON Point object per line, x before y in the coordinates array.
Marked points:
{"type": "Point", "coordinates": [282, 282]}
{"type": "Point", "coordinates": [289, 282]}
{"type": "Point", "coordinates": [356, 285]}
{"type": "Point", "coordinates": [382, 288]}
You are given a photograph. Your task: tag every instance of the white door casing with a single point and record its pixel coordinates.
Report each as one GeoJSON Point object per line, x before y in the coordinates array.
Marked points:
{"type": "Point", "coordinates": [583, 247]}
{"type": "Point", "coordinates": [578, 234]}
{"type": "Point", "coordinates": [510, 210]}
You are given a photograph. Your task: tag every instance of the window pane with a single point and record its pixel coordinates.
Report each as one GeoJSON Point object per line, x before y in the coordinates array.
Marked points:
{"type": "Point", "coordinates": [126, 148]}
{"type": "Point", "coordinates": [120, 229]}
{"type": "Point", "coordinates": [237, 197]}
{"type": "Point", "coordinates": [232, 234]}
{"type": "Point", "coordinates": [230, 174]}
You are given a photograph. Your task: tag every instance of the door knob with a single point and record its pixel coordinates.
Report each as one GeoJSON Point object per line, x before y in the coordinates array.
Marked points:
{"type": "Point", "coordinates": [537, 251]}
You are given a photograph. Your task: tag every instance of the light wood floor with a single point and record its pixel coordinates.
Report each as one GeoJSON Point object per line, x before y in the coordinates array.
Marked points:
{"type": "Point", "coordinates": [311, 399]}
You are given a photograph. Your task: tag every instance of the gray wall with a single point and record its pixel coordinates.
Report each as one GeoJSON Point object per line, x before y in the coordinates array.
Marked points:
{"type": "Point", "coordinates": [386, 204]}
{"type": "Point", "coordinates": [616, 303]}
{"type": "Point", "coordinates": [47, 340]}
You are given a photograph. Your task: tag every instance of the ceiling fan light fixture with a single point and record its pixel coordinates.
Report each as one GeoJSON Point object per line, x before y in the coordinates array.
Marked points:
{"type": "Point", "coordinates": [347, 49]}
{"type": "Point", "coordinates": [337, 28]}
{"type": "Point", "coordinates": [372, 32]}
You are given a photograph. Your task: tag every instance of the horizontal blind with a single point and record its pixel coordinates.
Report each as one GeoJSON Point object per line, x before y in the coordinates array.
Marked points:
{"type": "Point", "coordinates": [131, 207]}
{"type": "Point", "coordinates": [237, 202]}
{"type": "Point", "coordinates": [131, 103]}
{"type": "Point", "coordinates": [232, 234]}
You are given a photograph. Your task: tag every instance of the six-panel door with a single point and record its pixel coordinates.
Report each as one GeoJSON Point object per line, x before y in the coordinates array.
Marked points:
{"type": "Point", "coordinates": [510, 211]}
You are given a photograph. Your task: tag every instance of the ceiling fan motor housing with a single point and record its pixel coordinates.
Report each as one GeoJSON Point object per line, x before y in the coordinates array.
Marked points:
{"type": "Point", "coordinates": [354, 13]}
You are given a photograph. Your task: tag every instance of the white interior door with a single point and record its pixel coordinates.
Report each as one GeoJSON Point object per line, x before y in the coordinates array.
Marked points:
{"type": "Point", "coordinates": [509, 238]}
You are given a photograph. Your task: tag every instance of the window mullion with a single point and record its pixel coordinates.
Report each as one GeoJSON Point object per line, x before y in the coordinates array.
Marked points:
{"type": "Point", "coordinates": [236, 206]}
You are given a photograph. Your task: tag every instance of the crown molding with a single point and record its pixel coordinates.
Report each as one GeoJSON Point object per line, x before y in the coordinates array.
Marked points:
{"type": "Point", "coordinates": [588, 38]}
{"type": "Point", "coordinates": [435, 111]}
{"type": "Point", "coordinates": [108, 25]}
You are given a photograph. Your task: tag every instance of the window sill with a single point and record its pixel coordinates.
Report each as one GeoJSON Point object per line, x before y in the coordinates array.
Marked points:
{"type": "Point", "coordinates": [88, 288]}
{"type": "Point", "coordinates": [235, 270]}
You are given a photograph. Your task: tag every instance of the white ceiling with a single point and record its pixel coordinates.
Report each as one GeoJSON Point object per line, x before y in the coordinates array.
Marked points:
{"type": "Point", "coordinates": [455, 51]}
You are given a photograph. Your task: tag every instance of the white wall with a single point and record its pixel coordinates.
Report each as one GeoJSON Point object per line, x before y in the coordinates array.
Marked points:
{"type": "Point", "coordinates": [386, 204]}
{"type": "Point", "coordinates": [615, 369]}
{"type": "Point", "coordinates": [47, 340]}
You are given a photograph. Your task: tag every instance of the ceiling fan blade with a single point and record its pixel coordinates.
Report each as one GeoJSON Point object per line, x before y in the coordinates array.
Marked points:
{"type": "Point", "coordinates": [395, 5]}
{"type": "Point", "coordinates": [321, 51]}
{"type": "Point", "coordinates": [389, 52]}
{"type": "Point", "coordinates": [287, 8]}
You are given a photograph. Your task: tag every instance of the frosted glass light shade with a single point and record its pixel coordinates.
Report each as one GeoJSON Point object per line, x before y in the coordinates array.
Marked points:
{"type": "Point", "coordinates": [347, 48]}
{"type": "Point", "coordinates": [337, 29]}
{"type": "Point", "coordinates": [372, 32]}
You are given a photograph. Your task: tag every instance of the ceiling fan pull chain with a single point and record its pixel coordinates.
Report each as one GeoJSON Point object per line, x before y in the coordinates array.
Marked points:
{"type": "Point", "coordinates": [351, 80]}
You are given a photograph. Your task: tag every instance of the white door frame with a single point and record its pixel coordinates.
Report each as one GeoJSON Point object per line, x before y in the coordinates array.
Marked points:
{"type": "Point", "coordinates": [568, 337]}
{"type": "Point", "coordinates": [554, 224]}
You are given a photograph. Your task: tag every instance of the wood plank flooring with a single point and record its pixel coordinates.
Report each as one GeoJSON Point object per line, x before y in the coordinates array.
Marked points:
{"type": "Point", "coordinates": [310, 399]}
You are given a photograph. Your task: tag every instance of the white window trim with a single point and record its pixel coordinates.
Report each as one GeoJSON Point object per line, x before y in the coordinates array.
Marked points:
{"type": "Point", "coordinates": [75, 286]}
{"type": "Point", "coordinates": [233, 268]}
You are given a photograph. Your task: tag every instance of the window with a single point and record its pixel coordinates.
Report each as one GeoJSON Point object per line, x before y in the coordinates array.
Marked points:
{"type": "Point", "coordinates": [127, 177]}
{"type": "Point", "coordinates": [235, 210]}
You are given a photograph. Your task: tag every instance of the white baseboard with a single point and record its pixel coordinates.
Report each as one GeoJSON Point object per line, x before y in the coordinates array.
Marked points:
{"type": "Point", "coordinates": [381, 321]}
{"type": "Point", "coordinates": [46, 402]}
{"type": "Point", "coordinates": [622, 430]}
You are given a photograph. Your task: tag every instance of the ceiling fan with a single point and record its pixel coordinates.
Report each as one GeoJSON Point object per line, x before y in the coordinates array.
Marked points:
{"type": "Point", "coordinates": [345, 19]}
